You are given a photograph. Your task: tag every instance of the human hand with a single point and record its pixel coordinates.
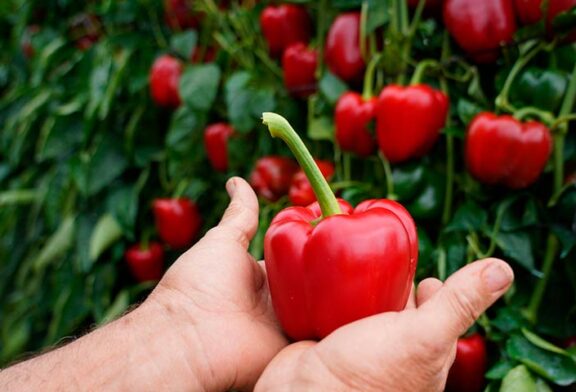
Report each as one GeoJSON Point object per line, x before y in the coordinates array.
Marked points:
{"type": "Point", "coordinates": [215, 298]}
{"type": "Point", "coordinates": [410, 350]}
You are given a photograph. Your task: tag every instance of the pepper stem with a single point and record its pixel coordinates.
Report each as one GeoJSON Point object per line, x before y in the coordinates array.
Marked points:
{"type": "Point", "coordinates": [281, 128]}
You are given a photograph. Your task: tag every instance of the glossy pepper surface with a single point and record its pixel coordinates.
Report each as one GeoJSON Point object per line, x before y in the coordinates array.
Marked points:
{"type": "Point", "coordinates": [502, 150]}
{"type": "Point", "coordinates": [480, 27]}
{"type": "Point", "coordinates": [530, 11]}
{"type": "Point", "coordinates": [164, 81]}
{"type": "Point", "coordinates": [301, 192]}
{"type": "Point", "coordinates": [467, 371]}
{"type": "Point", "coordinates": [409, 120]}
{"type": "Point", "coordinates": [299, 67]}
{"type": "Point", "coordinates": [354, 116]}
{"type": "Point", "coordinates": [342, 52]}
{"type": "Point", "coordinates": [177, 221]}
{"type": "Point", "coordinates": [330, 264]}
{"type": "Point", "coordinates": [216, 144]}
{"type": "Point", "coordinates": [284, 25]}
{"type": "Point", "coordinates": [272, 176]}
{"type": "Point", "coordinates": [145, 262]}
{"type": "Point", "coordinates": [541, 88]}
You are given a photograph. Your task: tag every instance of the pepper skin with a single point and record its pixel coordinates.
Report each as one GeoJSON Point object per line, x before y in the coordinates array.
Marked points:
{"type": "Point", "coordinates": [216, 144]}
{"type": "Point", "coordinates": [177, 221]}
{"type": "Point", "coordinates": [284, 25]}
{"type": "Point", "coordinates": [530, 11]}
{"type": "Point", "coordinates": [164, 81]}
{"type": "Point", "coordinates": [409, 120]}
{"type": "Point", "coordinates": [301, 192]}
{"type": "Point", "coordinates": [542, 88]}
{"type": "Point", "coordinates": [145, 263]}
{"type": "Point", "coordinates": [480, 27]}
{"type": "Point", "coordinates": [467, 371]}
{"type": "Point", "coordinates": [299, 65]}
{"type": "Point", "coordinates": [353, 117]}
{"type": "Point", "coordinates": [342, 52]}
{"type": "Point", "coordinates": [502, 150]}
{"type": "Point", "coordinates": [179, 15]}
{"type": "Point", "coordinates": [344, 268]}
{"type": "Point", "coordinates": [272, 176]}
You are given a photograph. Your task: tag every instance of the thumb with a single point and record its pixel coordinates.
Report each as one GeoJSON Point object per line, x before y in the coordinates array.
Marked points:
{"type": "Point", "coordinates": [464, 297]}
{"type": "Point", "coordinates": [240, 220]}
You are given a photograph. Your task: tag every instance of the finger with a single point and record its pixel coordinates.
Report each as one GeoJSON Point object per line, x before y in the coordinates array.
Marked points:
{"type": "Point", "coordinates": [463, 298]}
{"type": "Point", "coordinates": [412, 298]}
{"type": "Point", "coordinates": [240, 221]}
{"type": "Point", "coordinates": [426, 289]}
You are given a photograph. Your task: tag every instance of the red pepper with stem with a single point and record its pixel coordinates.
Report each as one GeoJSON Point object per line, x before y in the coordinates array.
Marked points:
{"type": "Point", "coordinates": [503, 150]}
{"type": "Point", "coordinates": [467, 371]}
{"type": "Point", "coordinates": [299, 66]}
{"type": "Point", "coordinates": [164, 81]}
{"type": "Point", "coordinates": [272, 176]}
{"type": "Point", "coordinates": [216, 144]}
{"type": "Point", "coordinates": [179, 15]}
{"type": "Point", "coordinates": [177, 221]}
{"type": "Point", "coordinates": [284, 25]}
{"type": "Point", "coordinates": [330, 264]}
{"type": "Point", "coordinates": [146, 261]}
{"type": "Point", "coordinates": [342, 53]}
{"type": "Point", "coordinates": [301, 192]}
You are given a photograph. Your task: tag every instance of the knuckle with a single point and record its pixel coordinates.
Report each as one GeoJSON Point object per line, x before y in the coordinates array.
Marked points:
{"type": "Point", "coordinates": [465, 307]}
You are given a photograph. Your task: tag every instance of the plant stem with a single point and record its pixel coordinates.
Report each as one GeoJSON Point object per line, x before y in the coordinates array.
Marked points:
{"type": "Point", "coordinates": [279, 127]}
{"type": "Point", "coordinates": [321, 38]}
{"type": "Point", "coordinates": [538, 294]}
{"type": "Point", "coordinates": [421, 69]}
{"type": "Point", "coordinates": [389, 181]}
{"type": "Point", "coordinates": [369, 77]}
{"type": "Point", "coordinates": [544, 116]}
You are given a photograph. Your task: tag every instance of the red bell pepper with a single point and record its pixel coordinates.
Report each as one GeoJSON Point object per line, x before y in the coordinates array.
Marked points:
{"type": "Point", "coordinates": [216, 144]}
{"type": "Point", "coordinates": [284, 25]}
{"type": "Point", "coordinates": [480, 27]}
{"type": "Point", "coordinates": [467, 371]}
{"type": "Point", "coordinates": [179, 15]}
{"type": "Point", "coordinates": [164, 81]}
{"type": "Point", "coordinates": [177, 221]}
{"type": "Point", "coordinates": [502, 150]}
{"type": "Point", "coordinates": [301, 192]}
{"type": "Point", "coordinates": [330, 264]}
{"type": "Point", "coordinates": [145, 262]}
{"type": "Point", "coordinates": [409, 120]}
{"type": "Point", "coordinates": [530, 11]}
{"type": "Point", "coordinates": [354, 116]}
{"type": "Point", "coordinates": [342, 52]}
{"type": "Point", "coordinates": [299, 65]}
{"type": "Point", "coordinates": [208, 56]}
{"type": "Point", "coordinates": [272, 176]}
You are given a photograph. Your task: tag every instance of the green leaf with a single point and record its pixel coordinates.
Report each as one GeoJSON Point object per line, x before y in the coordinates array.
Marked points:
{"type": "Point", "coordinates": [332, 87]}
{"type": "Point", "coordinates": [105, 234]}
{"type": "Point", "coordinates": [518, 379]}
{"type": "Point", "coordinates": [183, 123]}
{"type": "Point", "coordinates": [499, 370]}
{"type": "Point", "coordinates": [378, 15]}
{"type": "Point", "coordinates": [469, 217]}
{"type": "Point", "coordinates": [321, 128]}
{"type": "Point", "coordinates": [117, 308]}
{"type": "Point", "coordinates": [184, 43]}
{"type": "Point", "coordinates": [199, 86]}
{"type": "Point", "coordinates": [107, 164]}
{"type": "Point", "coordinates": [543, 344]}
{"type": "Point", "coordinates": [57, 244]}
{"type": "Point", "coordinates": [518, 246]}
{"type": "Point", "coordinates": [18, 196]}
{"type": "Point", "coordinates": [560, 369]}
{"type": "Point", "coordinates": [467, 110]}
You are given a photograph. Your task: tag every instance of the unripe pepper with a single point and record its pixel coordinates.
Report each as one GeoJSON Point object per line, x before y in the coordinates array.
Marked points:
{"type": "Point", "coordinates": [467, 371]}
{"type": "Point", "coordinates": [216, 144]}
{"type": "Point", "coordinates": [284, 25]}
{"type": "Point", "coordinates": [301, 192]}
{"type": "Point", "coordinates": [503, 150]}
{"type": "Point", "coordinates": [330, 264]}
{"type": "Point", "coordinates": [409, 120]}
{"type": "Point", "coordinates": [354, 117]}
{"type": "Point", "coordinates": [272, 176]}
{"type": "Point", "coordinates": [177, 221]}
{"type": "Point", "coordinates": [146, 262]}
{"type": "Point", "coordinates": [299, 65]}
{"type": "Point", "coordinates": [541, 88]}
{"type": "Point", "coordinates": [342, 52]}
{"type": "Point", "coordinates": [480, 27]}
{"type": "Point", "coordinates": [164, 81]}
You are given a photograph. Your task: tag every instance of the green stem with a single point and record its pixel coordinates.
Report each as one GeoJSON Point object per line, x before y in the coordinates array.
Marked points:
{"type": "Point", "coordinates": [449, 193]}
{"type": "Point", "coordinates": [538, 293]}
{"type": "Point", "coordinates": [347, 166]}
{"type": "Point", "coordinates": [363, 22]}
{"type": "Point", "coordinates": [544, 116]}
{"type": "Point", "coordinates": [279, 127]}
{"type": "Point", "coordinates": [389, 180]}
{"type": "Point", "coordinates": [561, 120]}
{"type": "Point", "coordinates": [442, 264]}
{"type": "Point", "coordinates": [321, 38]}
{"type": "Point", "coordinates": [369, 77]}
{"type": "Point", "coordinates": [417, 17]}
{"type": "Point", "coordinates": [421, 69]}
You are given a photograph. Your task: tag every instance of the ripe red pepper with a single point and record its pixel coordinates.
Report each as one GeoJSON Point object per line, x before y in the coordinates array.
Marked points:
{"type": "Point", "coordinates": [330, 264]}
{"type": "Point", "coordinates": [530, 11]}
{"type": "Point", "coordinates": [216, 144]}
{"type": "Point", "coordinates": [343, 55]}
{"type": "Point", "coordinates": [502, 150]}
{"type": "Point", "coordinates": [467, 371]}
{"type": "Point", "coordinates": [164, 81]}
{"type": "Point", "coordinates": [26, 44]}
{"type": "Point", "coordinates": [177, 221]}
{"type": "Point", "coordinates": [299, 65]}
{"type": "Point", "coordinates": [272, 176]}
{"type": "Point", "coordinates": [284, 25]}
{"type": "Point", "coordinates": [301, 192]}
{"type": "Point", "coordinates": [353, 117]}
{"type": "Point", "coordinates": [145, 262]}
{"type": "Point", "coordinates": [208, 56]}
{"type": "Point", "coordinates": [409, 120]}
{"type": "Point", "coordinates": [179, 15]}
{"type": "Point", "coordinates": [480, 27]}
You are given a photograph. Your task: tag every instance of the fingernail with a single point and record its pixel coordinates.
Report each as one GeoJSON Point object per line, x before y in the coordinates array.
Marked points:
{"type": "Point", "coordinates": [497, 276]}
{"type": "Point", "coordinates": [231, 186]}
